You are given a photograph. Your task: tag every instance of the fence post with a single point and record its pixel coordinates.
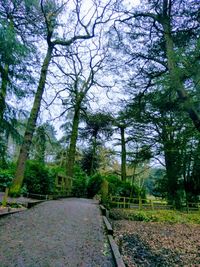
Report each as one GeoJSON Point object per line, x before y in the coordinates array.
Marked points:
{"type": "Point", "coordinates": [140, 203]}
{"type": "Point", "coordinates": [187, 207]}
{"type": "Point", "coordinates": [124, 203]}
{"type": "Point", "coordinates": [152, 207]}
{"type": "Point", "coordinates": [5, 198]}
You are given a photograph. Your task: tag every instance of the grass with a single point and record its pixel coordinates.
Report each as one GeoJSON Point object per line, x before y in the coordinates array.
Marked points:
{"type": "Point", "coordinates": [170, 216]}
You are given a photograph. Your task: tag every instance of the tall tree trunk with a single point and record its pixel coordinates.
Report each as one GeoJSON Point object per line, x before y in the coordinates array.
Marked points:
{"type": "Point", "coordinates": [171, 172]}
{"type": "Point", "coordinates": [174, 71]}
{"type": "Point", "coordinates": [94, 148]}
{"type": "Point", "coordinates": [73, 140]}
{"type": "Point", "coordinates": [123, 154]}
{"type": "Point", "coordinates": [192, 180]}
{"type": "Point", "coordinates": [173, 164]}
{"type": "Point", "coordinates": [3, 92]}
{"type": "Point", "coordinates": [30, 128]}
{"type": "Point", "coordinates": [40, 145]}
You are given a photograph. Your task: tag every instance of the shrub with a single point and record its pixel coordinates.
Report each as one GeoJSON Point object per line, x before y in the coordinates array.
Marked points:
{"type": "Point", "coordinates": [169, 216]}
{"type": "Point", "coordinates": [79, 188]}
{"type": "Point", "coordinates": [121, 188]}
{"type": "Point", "coordinates": [38, 178]}
{"type": "Point", "coordinates": [125, 189]}
{"type": "Point", "coordinates": [94, 185]}
{"type": "Point", "coordinates": [55, 170]}
{"type": "Point", "coordinates": [114, 184]}
{"type": "Point", "coordinates": [141, 216]}
{"type": "Point", "coordinates": [6, 177]}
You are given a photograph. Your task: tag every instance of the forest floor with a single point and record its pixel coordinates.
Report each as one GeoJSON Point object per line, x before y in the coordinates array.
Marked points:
{"type": "Point", "coordinates": [66, 232]}
{"type": "Point", "coordinates": [152, 244]}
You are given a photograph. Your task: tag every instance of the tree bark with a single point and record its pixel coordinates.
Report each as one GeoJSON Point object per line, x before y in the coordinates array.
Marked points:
{"type": "Point", "coordinates": [30, 128]}
{"type": "Point", "coordinates": [174, 71]}
{"type": "Point", "coordinates": [123, 154]}
{"type": "Point", "coordinates": [3, 92]}
{"type": "Point", "coordinates": [73, 141]}
{"type": "Point", "coordinates": [172, 172]}
{"type": "Point", "coordinates": [173, 163]}
{"type": "Point", "coordinates": [94, 148]}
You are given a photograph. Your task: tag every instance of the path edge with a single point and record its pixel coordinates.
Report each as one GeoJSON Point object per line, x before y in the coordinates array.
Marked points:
{"type": "Point", "coordinates": [109, 230]}
{"type": "Point", "coordinates": [27, 205]}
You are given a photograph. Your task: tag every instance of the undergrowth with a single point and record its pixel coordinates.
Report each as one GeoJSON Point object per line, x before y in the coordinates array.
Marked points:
{"type": "Point", "coordinates": [170, 216]}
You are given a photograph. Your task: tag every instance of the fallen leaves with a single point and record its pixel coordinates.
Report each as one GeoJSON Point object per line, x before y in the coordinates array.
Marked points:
{"type": "Point", "coordinates": [158, 244]}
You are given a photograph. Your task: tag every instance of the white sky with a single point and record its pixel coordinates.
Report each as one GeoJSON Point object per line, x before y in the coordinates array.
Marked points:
{"type": "Point", "coordinates": [103, 100]}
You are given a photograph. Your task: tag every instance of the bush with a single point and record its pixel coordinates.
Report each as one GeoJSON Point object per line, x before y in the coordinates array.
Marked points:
{"type": "Point", "coordinates": [125, 189]}
{"type": "Point", "coordinates": [170, 216]}
{"type": "Point", "coordinates": [114, 184]}
{"type": "Point", "coordinates": [94, 185]}
{"type": "Point", "coordinates": [55, 170]}
{"type": "Point", "coordinates": [6, 177]}
{"type": "Point", "coordinates": [79, 188]}
{"type": "Point", "coordinates": [141, 216]}
{"type": "Point", "coordinates": [120, 188]}
{"type": "Point", "coordinates": [38, 178]}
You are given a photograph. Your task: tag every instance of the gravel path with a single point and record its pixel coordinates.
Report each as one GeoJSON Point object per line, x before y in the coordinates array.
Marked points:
{"type": "Point", "coordinates": [59, 233]}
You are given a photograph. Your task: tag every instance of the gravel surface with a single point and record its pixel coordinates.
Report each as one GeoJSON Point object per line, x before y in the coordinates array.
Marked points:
{"type": "Point", "coordinates": [19, 200]}
{"type": "Point", "coordinates": [149, 244]}
{"type": "Point", "coordinates": [61, 233]}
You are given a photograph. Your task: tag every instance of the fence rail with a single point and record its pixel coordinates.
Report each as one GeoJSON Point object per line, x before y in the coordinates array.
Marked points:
{"type": "Point", "coordinates": [44, 197]}
{"type": "Point", "coordinates": [148, 204]}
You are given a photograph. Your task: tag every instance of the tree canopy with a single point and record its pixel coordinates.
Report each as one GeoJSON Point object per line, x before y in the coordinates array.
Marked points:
{"type": "Point", "coordinates": [123, 81]}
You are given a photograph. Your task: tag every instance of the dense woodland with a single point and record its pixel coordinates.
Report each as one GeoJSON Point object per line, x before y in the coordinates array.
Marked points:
{"type": "Point", "coordinates": [100, 92]}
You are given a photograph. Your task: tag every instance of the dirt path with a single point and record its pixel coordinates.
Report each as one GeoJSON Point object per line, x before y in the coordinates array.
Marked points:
{"type": "Point", "coordinates": [62, 233]}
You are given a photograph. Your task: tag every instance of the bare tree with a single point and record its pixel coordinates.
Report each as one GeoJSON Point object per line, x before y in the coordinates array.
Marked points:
{"type": "Point", "coordinates": [81, 25]}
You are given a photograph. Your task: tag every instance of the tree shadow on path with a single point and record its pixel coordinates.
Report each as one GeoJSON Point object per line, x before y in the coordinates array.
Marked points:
{"type": "Point", "coordinates": [141, 254]}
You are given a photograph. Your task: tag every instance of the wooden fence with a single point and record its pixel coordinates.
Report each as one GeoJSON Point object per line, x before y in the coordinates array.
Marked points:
{"type": "Point", "coordinates": [148, 204]}
{"type": "Point", "coordinates": [44, 197]}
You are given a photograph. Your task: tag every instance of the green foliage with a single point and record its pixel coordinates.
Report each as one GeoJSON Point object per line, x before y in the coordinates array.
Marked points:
{"type": "Point", "coordinates": [89, 161]}
{"type": "Point", "coordinates": [44, 143]}
{"type": "Point", "coordinates": [125, 189]}
{"type": "Point", "coordinates": [40, 144]}
{"type": "Point", "coordinates": [160, 188]}
{"type": "Point", "coordinates": [141, 216]}
{"type": "Point", "coordinates": [55, 170]}
{"type": "Point", "coordinates": [155, 175]}
{"type": "Point", "coordinates": [98, 124]}
{"type": "Point", "coordinates": [192, 181]}
{"type": "Point", "coordinates": [79, 188]}
{"type": "Point", "coordinates": [143, 154]}
{"type": "Point", "coordinates": [94, 185]}
{"type": "Point", "coordinates": [11, 49]}
{"type": "Point", "coordinates": [38, 178]}
{"type": "Point", "coordinates": [120, 188]}
{"type": "Point", "coordinates": [170, 216]}
{"type": "Point", "coordinates": [114, 184]}
{"type": "Point", "coordinates": [6, 177]}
